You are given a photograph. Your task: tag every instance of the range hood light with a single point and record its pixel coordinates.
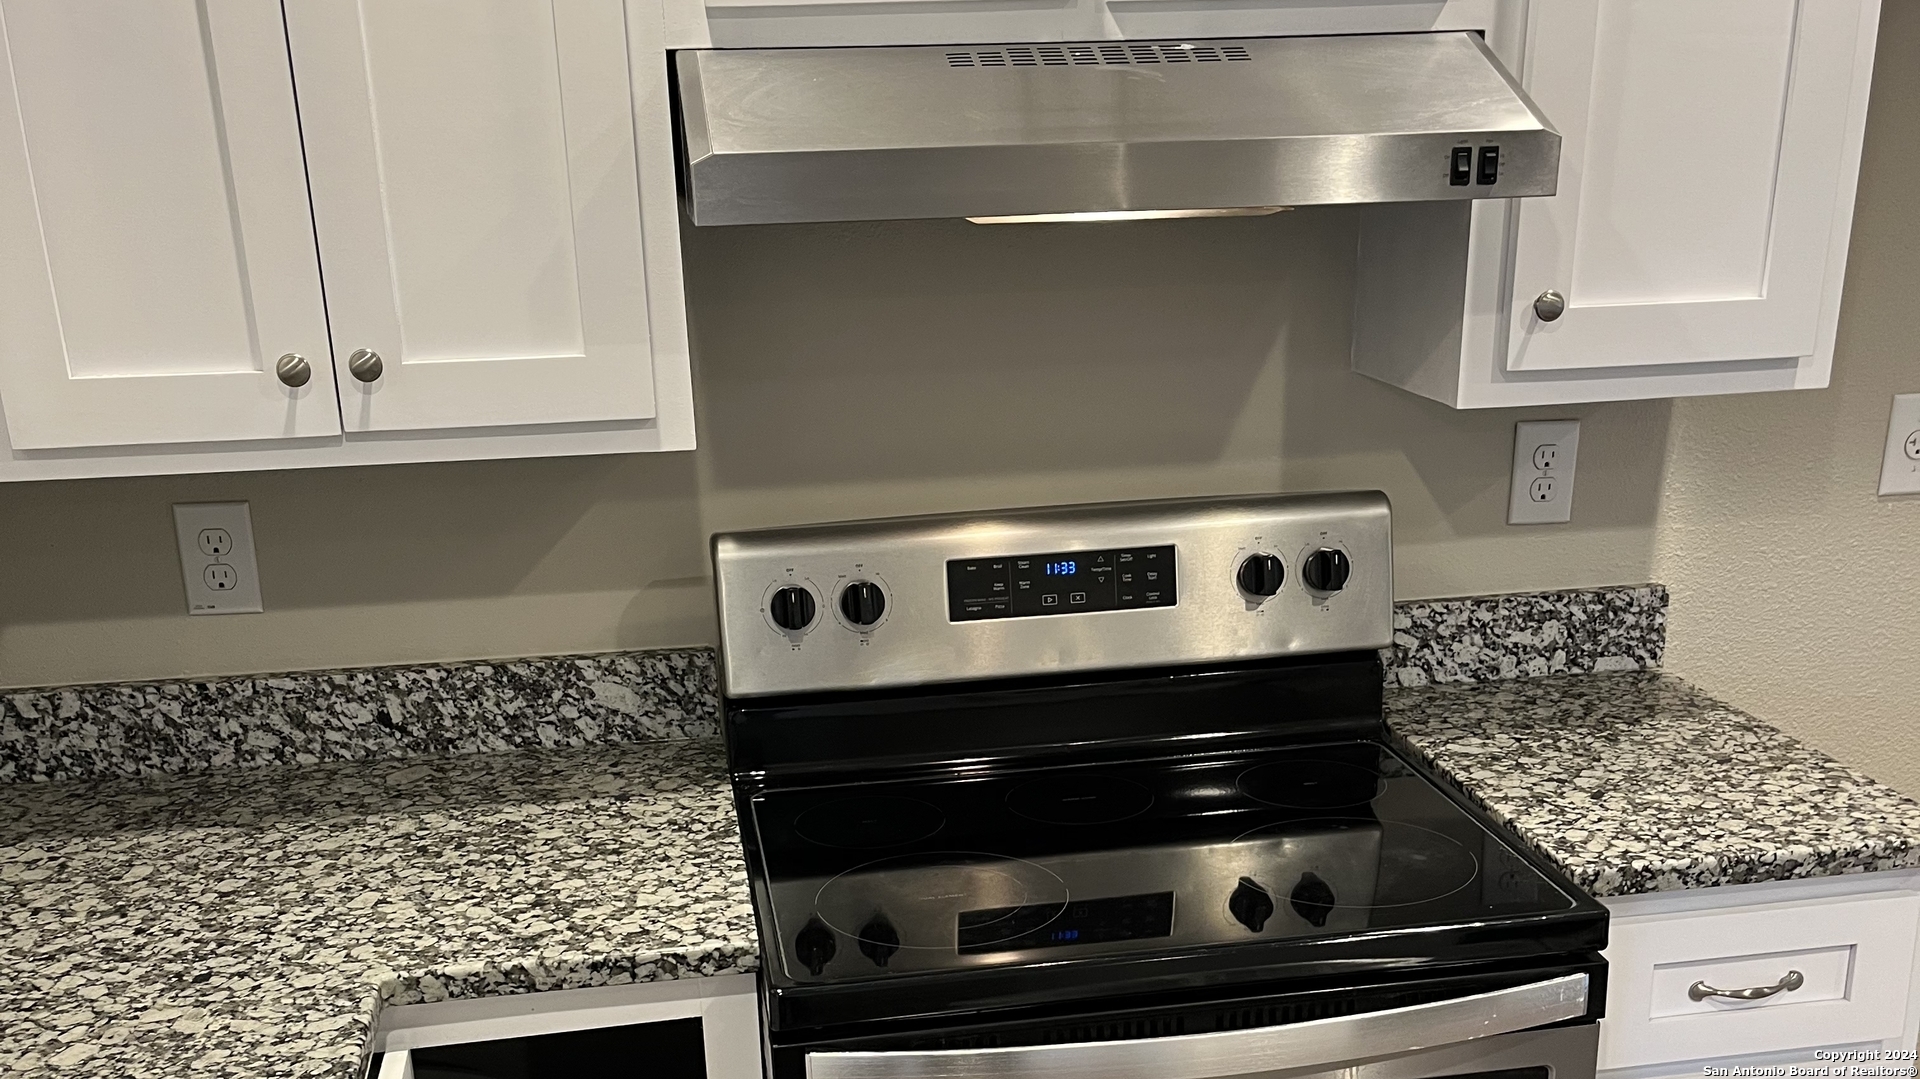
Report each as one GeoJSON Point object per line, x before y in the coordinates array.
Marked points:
{"type": "Point", "coordinates": [1129, 215]}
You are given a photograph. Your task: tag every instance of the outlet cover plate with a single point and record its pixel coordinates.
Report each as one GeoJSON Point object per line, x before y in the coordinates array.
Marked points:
{"type": "Point", "coordinates": [1544, 454]}
{"type": "Point", "coordinates": [1900, 470]}
{"type": "Point", "coordinates": [216, 557]}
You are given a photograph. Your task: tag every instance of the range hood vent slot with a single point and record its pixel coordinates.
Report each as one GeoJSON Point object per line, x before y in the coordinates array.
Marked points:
{"type": "Point", "coordinates": [1099, 53]}
{"type": "Point", "coordinates": [1106, 128]}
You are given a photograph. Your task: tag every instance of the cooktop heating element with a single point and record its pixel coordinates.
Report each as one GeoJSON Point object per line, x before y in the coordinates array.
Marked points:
{"type": "Point", "coordinates": [1037, 781]}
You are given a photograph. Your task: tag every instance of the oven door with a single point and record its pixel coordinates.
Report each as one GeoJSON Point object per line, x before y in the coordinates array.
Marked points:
{"type": "Point", "coordinates": [1492, 1032]}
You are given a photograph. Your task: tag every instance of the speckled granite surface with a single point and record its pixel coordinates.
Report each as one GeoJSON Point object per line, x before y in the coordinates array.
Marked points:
{"type": "Point", "coordinates": [1641, 783]}
{"type": "Point", "coordinates": [375, 713]}
{"type": "Point", "coordinates": [379, 713]}
{"type": "Point", "coordinates": [1495, 638]}
{"type": "Point", "coordinates": [249, 922]}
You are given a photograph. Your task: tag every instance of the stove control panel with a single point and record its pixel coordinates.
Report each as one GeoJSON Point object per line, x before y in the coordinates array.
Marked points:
{"type": "Point", "coordinates": [959, 597]}
{"type": "Point", "coordinates": [1064, 582]}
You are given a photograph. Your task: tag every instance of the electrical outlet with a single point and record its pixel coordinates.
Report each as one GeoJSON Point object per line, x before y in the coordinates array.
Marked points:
{"type": "Point", "coordinates": [1900, 471]}
{"type": "Point", "coordinates": [216, 557]}
{"type": "Point", "coordinates": [1544, 453]}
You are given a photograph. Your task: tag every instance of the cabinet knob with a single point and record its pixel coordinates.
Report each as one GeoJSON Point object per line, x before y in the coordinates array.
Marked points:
{"type": "Point", "coordinates": [365, 365]}
{"type": "Point", "coordinates": [1550, 306]}
{"type": "Point", "coordinates": [294, 370]}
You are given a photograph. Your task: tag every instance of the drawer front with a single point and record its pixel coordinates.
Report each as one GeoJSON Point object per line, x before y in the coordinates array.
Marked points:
{"type": "Point", "coordinates": [1844, 966]}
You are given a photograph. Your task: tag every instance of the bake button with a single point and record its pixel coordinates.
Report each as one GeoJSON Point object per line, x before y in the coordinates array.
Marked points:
{"type": "Point", "coordinates": [1077, 597]}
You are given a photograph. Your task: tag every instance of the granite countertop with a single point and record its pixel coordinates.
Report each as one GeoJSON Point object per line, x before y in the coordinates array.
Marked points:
{"type": "Point", "coordinates": [1641, 783]}
{"type": "Point", "coordinates": [251, 923]}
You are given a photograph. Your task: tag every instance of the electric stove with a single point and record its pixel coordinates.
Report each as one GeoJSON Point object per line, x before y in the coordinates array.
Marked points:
{"type": "Point", "coordinates": [1106, 790]}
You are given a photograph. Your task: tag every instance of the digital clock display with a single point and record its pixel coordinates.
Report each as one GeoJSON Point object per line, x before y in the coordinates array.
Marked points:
{"type": "Point", "coordinates": [1081, 921]}
{"type": "Point", "coordinates": [1061, 582]}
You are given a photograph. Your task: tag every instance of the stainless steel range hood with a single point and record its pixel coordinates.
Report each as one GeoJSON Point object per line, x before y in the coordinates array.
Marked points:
{"type": "Point", "coordinates": [853, 134]}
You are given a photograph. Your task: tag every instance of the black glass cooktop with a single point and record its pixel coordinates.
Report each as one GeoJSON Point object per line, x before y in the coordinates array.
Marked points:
{"type": "Point", "coordinates": [1011, 867]}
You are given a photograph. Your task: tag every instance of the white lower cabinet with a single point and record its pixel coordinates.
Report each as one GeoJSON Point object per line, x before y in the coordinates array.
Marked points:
{"type": "Point", "coordinates": [681, 1029]}
{"type": "Point", "coordinates": [1814, 968]}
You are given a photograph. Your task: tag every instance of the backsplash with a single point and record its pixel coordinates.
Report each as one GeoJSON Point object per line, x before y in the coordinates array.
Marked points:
{"type": "Point", "coordinates": [376, 713]}
{"type": "Point", "coordinates": [1527, 635]}
{"type": "Point", "coordinates": [145, 728]}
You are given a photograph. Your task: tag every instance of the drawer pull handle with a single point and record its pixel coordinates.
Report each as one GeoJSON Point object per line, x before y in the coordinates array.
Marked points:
{"type": "Point", "coordinates": [1793, 980]}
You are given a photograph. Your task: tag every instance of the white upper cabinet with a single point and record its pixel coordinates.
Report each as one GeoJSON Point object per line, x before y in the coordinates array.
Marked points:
{"type": "Point", "coordinates": [1703, 157]}
{"type": "Point", "coordinates": [474, 187]}
{"type": "Point", "coordinates": [1698, 241]}
{"type": "Point", "coordinates": [485, 189]}
{"type": "Point", "coordinates": [156, 255]}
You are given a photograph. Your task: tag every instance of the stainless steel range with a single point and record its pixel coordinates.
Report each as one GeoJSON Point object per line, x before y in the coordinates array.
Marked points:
{"type": "Point", "coordinates": [1105, 791]}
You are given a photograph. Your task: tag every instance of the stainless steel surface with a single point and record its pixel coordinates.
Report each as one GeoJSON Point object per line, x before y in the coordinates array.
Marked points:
{"type": "Point", "coordinates": [915, 644]}
{"type": "Point", "coordinates": [1549, 306]}
{"type": "Point", "coordinates": [1130, 215]}
{"type": "Point", "coordinates": [848, 134]}
{"type": "Point", "coordinates": [294, 370]}
{"type": "Point", "coordinates": [923, 903]}
{"type": "Point", "coordinates": [1321, 1043]}
{"type": "Point", "coordinates": [1793, 980]}
{"type": "Point", "coordinates": [1567, 1052]}
{"type": "Point", "coordinates": [365, 364]}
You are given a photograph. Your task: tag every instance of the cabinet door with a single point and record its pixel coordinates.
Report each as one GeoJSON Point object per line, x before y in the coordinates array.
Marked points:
{"type": "Point", "coordinates": [1703, 174]}
{"type": "Point", "coordinates": [156, 252]}
{"type": "Point", "coordinates": [478, 207]}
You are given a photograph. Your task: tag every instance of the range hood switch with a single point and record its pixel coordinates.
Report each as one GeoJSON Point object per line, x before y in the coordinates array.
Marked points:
{"type": "Point", "coordinates": [1489, 166]}
{"type": "Point", "coordinates": [1461, 174]}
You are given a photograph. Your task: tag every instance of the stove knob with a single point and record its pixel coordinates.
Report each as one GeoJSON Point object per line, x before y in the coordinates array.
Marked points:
{"type": "Point", "coordinates": [1261, 575]}
{"type": "Point", "coordinates": [1326, 570]}
{"type": "Point", "coordinates": [1313, 900]}
{"type": "Point", "coordinates": [791, 608]}
{"type": "Point", "coordinates": [814, 946]}
{"type": "Point", "coordinates": [1250, 905]}
{"type": "Point", "coordinates": [863, 603]}
{"type": "Point", "coordinates": [878, 940]}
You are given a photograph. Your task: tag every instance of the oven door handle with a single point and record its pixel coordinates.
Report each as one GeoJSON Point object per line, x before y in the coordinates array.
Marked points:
{"type": "Point", "coordinates": [1320, 1042]}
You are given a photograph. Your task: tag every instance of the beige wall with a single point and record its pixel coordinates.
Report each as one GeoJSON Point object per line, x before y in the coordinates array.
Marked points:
{"type": "Point", "coordinates": [842, 372]}
{"type": "Point", "coordinates": [1796, 592]}
{"type": "Point", "coordinates": [906, 367]}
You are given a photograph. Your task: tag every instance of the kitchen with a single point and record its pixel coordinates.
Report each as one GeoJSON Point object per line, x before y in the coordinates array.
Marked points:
{"type": "Point", "coordinates": [841, 373]}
